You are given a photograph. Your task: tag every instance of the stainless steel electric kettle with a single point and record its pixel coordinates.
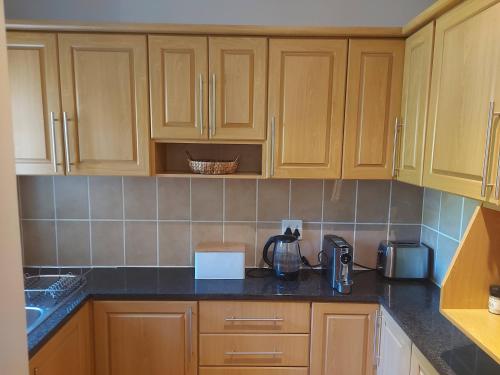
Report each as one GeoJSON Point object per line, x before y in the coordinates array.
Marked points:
{"type": "Point", "coordinates": [286, 259]}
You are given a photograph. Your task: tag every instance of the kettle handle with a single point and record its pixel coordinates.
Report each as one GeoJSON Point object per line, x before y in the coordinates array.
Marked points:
{"type": "Point", "coordinates": [266, 250]}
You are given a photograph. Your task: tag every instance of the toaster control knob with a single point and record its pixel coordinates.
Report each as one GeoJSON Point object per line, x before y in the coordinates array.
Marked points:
{"type": "Point", "coordinates": [345, 258]}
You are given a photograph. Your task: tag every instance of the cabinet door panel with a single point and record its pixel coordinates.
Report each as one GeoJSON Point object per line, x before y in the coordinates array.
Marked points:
{"type": "Point", "coordinates": [240, 69]}
{"type": "Point", "coordinates": [178, 106]}
{"type": "Point", "coordinates": [373, 99]}
{"type": "Point", "coordinates": [306, 101]}
{"type": "Point", "coordinates": [395, 348]}
{"type": "Point", "coordinates": [465, 78]}
{"type": "Point", "coordinates": [104, 92]}
{"type": "Point", "coordinates": [342, 339]}
{"type": "Point", "coordinates": [419, 364]}
{"type": "Point", "coordinates": [145, 338]}
{"type": "Point", "coordinates": [69, 351]}
{"type": "Point", "coordinates": [34, 86]}
{"type": "Point", "coordinates": [416, 91]}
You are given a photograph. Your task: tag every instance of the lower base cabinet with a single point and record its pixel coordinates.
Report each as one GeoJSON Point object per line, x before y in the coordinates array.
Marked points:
{"type": "Point", "coordinates": [69, 351]}
{"type": "Point", "coordinates": [419, 364]}
{"type": "Point", "coordinates": [343, 338]}
{"type": "Point", "coordinates": [147, 338]}
{"type": "Point", "coordinates": [252, 371]}
{"type": "Point", "coordinates": [394, 348]}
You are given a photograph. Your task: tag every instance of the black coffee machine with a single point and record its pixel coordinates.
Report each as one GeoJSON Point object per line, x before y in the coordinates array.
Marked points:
{"type": "Point", "coordinates": [338, 260]}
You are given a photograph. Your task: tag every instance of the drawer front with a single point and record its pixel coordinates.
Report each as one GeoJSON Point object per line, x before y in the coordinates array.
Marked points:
{"type": "Point", "coordinates": [254, 350]}
{"type": "Point", "coordinates": [253, 371]}
{"type": "Point", "coordinates": [248, 317]}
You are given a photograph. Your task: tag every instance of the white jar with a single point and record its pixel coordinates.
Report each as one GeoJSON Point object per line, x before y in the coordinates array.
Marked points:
{"type": "Point", "coordinates": [494, 300]}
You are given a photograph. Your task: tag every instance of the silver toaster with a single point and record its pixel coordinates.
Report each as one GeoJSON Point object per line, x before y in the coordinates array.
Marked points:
{"type": "Point", "coordinates": [403, 260]}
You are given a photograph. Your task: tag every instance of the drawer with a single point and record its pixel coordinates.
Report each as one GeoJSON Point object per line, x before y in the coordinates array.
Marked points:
{"type": "Point", "coordinates": [248, 317]}
{"type": "Point", "coordinates": [253, 371]}
{"type": "Point", "coordinates": [254, 350]}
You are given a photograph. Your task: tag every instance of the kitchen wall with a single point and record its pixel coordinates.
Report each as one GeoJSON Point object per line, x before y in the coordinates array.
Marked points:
{"type": "Point", "coordinates": [148, 221]}
{"type": "Point", "coordinates": [256, 12]}
{"type": "Point", "coordinates": [444, 220]}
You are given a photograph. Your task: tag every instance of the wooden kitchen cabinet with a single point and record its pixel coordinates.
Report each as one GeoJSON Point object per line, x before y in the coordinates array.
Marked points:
{"type": "Point", "coordinates": [306, 107]}
{"type": "Point", "coordinates": [373, 101]}
{"type": "Point", "coordinates": [414, 107]}
{"type": "Point", "coordinates": [419, 364]}
{"type": "Point", "coordinates": [342, 338]}
{"type": "Point", "coordinates": [462, 135]}
{"type": "Point", "coordinates": [153, 338]}
{"type": "Point", "coordinates": [394, 348]}
{"type": "Point", "coordinates": [238, 73]}
{"type": "Point", "coordinates": [69, 351]}
{"type": "Point", "coordinates": [178, 81]}
{"type": "Point", "coordinates": [104, 93]}
{"type": "Point", "coordinates": [36, 110]}
{"type": "Point", "coordinates": [208, 88]}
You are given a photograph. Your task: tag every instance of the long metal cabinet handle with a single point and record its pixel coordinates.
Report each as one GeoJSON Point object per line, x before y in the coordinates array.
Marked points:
{"type": "Point", "coordinates": [253, 353]}
{"type": "Point", "coordinates": [484, 182]}
{"type": "Point", "coordinates": [53, 140]}
{"type": "Point", "coordinates": [66, 143]}
{"type": "Point", "coordinates": [200, 109]}
{"type": "Point", "coordinates": [273, 129]}
{"type": "Point", "coordinates": [214, 106]}
{"type": "Point", "coordinates": [189, 316]}
{"type": "Point", "coordinates": [491, 116]}
{"type": "Point", "coordinates": [377, 339]}
{"type": "Point", "coordinates": [235, 319]}
{"type": "Point", "coordinates": [394, 150]}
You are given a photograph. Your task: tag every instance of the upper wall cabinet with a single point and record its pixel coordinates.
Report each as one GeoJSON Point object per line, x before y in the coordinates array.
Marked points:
{"type": "Point", "coordinates": [306, 107]}
{"type": "Point", "coordinates": [373, 102]}
{"type": "Point", "coordinates": [203, 89]}
{"type": "Point", "coordinates": [104, 93]}
{"type": "Point", "coordinates": [34, 84]}
{"type": "Point", "coordinates": [178, 72]}
{"type": "Point", "coordinates": [465, 94]}
{"type": "Point", "coordinates": [416, 90]}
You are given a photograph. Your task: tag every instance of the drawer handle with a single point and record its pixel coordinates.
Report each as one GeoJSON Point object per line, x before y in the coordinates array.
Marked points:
{"type": "Point", "coordinates": [235, 319]}
{"type": "Point", "coordinates": [254, 353]}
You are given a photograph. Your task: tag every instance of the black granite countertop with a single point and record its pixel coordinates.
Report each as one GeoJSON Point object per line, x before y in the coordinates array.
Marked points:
{"type": "Point", "coordinates": [414, 305]}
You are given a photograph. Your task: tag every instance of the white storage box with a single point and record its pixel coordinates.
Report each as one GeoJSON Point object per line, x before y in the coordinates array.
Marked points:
{"type": "Point", "coordinates": [219, 260]}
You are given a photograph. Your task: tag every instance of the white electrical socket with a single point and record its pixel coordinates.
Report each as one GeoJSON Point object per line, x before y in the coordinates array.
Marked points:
{"type": "Point", "coordinates": [292, 224]}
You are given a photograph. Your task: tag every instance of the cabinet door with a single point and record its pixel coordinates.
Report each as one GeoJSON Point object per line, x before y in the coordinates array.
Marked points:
{"type": "Point", "coordinates": [306, 106]}
{"type": "Point", "coordinates": [419, 364]}
{"type": "Point", "coordinates": [34, 87]}
{"type": "Point", "coordinates": [238, 70]}
{"type": "Point", "coordinates": [373, 101]}
{"type": "Point", "coordinates": [342, 338]}
{"type": "Point", "coordinates": [178, 80]}
{"type": "Point", "coordinates": [465, 79]}
{"type": "Point", "coordinates": [150, 338]}
{"type": "Point", "coordinates": [105, 97]}
{"type": "Point", "coordinates": [69, 351]}
{"type": "Point", "coordinates": [416, 90]}
{"type": "Point", "coordinates": [395, 348]}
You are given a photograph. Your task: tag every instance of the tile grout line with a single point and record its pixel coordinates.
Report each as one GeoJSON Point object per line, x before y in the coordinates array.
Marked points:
{"type": "Point", "coordinates": [441, 233]}
{"type": "Point", "coordinates": [223, 208]}
{"type": "Point", "coordinates": [190, 223]}
{"type": "Point", "coordinates": [462, 218]}
{"type": "Point", "coordinates": [389, 211]}
{"type": "Point", "coordinates": [422, 215]}
{"type": "Point", "coordinates": [55, 219]}
{"type": "Point", "coordinates": [90, 222]}
{"type": "Point", "coordinates": [157, 226]}
{"type": "Point", "coordinates": [322, 216]}
{"type": "Point", "coordinates": [256, 221]}
{"type": "Point", "coordinates": [355, 222]}
{"type": "Point", "coordinates": [123, 223]}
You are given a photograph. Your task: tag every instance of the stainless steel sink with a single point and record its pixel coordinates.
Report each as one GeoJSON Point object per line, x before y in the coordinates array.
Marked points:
{"type": "Point", "coordinates": [33, 316]}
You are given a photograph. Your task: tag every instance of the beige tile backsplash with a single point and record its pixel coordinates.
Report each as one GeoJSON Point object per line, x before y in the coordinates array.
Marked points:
{"type": "Point", "coordinates": [149, 221]}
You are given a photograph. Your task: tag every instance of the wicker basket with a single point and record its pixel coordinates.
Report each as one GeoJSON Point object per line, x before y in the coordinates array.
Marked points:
{"type": "Point", "coordinates": [212, 167]}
